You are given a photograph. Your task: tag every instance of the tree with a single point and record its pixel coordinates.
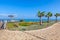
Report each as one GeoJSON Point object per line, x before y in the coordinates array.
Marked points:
{"type": "Point", "coordinates": [56, 15]}
{"type": "Point", "coordinates": [40, 15]}
{"type": "Point", "coordinates": [49, 14]}
{"type": "Point", "coordinates": [21, 20]}
{"type": "Point", "coordinates": [11, 16]}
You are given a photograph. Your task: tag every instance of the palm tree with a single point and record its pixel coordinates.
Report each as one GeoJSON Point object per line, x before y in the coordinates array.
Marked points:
{"type": "Point", "coordinates": [56, 15]}
{"type": "Point", "coordinates": [49, 14]}
{"type": "Point", "coordinates": [40, 15]}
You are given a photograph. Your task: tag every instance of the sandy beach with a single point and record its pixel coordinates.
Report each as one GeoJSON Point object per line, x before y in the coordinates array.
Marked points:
{"type": "Point", "coordinates": [50, 33]}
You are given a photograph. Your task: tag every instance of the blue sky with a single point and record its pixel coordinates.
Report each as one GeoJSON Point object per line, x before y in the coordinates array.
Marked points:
{"type": "Point", "coordinates": [27, 8]}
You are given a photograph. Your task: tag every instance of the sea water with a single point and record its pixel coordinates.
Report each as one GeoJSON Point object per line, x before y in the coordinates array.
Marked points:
{"type": "Point", "coordinates": [28, 20]}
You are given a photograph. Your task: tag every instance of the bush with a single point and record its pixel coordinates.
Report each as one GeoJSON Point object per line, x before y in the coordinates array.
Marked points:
{"type": "Point", "coordinates": [10, 25]}
{"type": "Point", "coordinates": [23, 28]}
{"type": "Point", "coordinates": [24, 24]}
{"type": "Point", "coordinates": [21, 20]}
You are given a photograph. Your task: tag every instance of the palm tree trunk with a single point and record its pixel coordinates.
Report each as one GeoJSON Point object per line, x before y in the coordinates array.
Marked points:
{"type": "Point", "coordinates": [40, 21]}
{"type": "Point", "coordinates": [48, 20]}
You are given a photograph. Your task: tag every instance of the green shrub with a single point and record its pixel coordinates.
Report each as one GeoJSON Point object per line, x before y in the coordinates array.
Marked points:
{"type": "Point", "coordinates": [10, 25]}
{"type": "Point", "coordinates": [23, 28]}
{"type": "Point", "coordinates": [21, 20]}
{"type": "Point", "coordinates": [24, 24]}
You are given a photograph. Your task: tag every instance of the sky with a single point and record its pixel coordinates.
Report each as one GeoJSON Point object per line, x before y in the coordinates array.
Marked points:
{"type": "Point", "coordinates": [27, 9]}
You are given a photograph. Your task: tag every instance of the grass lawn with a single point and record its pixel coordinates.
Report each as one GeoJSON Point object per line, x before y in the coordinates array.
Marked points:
{"type": "Point", "coordinates": [27, 25]}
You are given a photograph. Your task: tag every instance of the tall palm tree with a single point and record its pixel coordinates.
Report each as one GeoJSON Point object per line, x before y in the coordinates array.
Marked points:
{"type": "Point", "coordinates": [49, 14]}
{"type": "Point", "coordinates": [56, 15]}
{"type": "Point", "coordinates": [40, 15]}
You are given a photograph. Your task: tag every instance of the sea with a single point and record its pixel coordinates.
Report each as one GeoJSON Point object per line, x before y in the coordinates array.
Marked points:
{"type": "Point", "coordinates": [29, 20]}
